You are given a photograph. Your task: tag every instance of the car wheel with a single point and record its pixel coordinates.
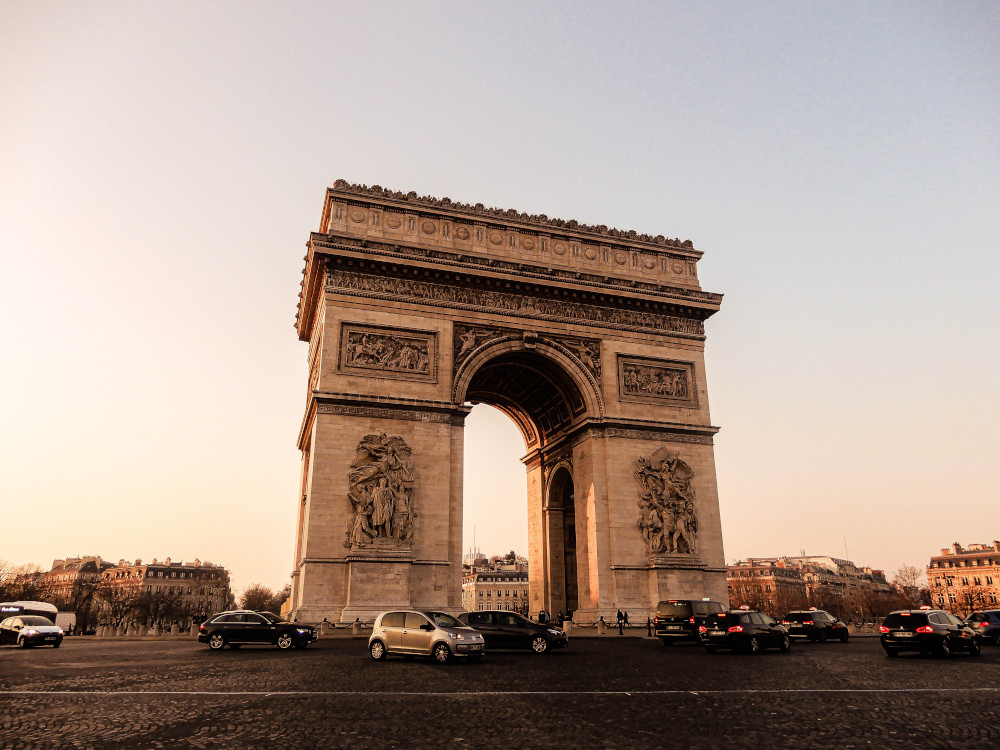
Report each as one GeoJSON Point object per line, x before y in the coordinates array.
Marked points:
{"type": "Point", "coordinates": [786, 645]}
{"type": "Point", "coordinates": [709, 649]}
{"type": "Point", "coordinates": [21, 643]}
{"type": "Point", "coordinates": [974, 649]}
{"type": "Point", "coordinates": [216, 641]}
{"type": "Point", "coordinates": [891, 652]}
{"type": "Point", "coordinates": [753, 646]}
{"type": "Point", "coordinates": [945, 648]}
{"type": "Point", "coordinates": [285, 641]}
{"type": "Point", "coordinates": [539, 644]}
{"type": "Point", "coordinates": [377, 650]}
{"type": "Point", "coordinates": [844, 635]}
{"type": "Point", "coordinates": [441, 653]}
{"type": "Point", "coordinates": [823, 636]}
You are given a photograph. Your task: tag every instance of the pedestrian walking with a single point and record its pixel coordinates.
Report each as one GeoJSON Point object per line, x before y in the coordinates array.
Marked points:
{"type": "Point", "coordinates": [625, 617]}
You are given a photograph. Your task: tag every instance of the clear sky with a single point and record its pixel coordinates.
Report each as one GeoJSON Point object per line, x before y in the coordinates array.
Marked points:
{"type": "Point", "coordinates": [162, 164]}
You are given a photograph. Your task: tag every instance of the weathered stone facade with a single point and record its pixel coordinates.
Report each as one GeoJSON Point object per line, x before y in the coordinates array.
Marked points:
{"type": "Point", "coordinates": [963, 579]}
{"type": "Point", "coordinates": [591, 339]}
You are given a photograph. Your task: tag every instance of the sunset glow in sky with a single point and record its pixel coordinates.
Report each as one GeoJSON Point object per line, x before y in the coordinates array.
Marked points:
{"type": "Point", "coordinates": [162, 165]}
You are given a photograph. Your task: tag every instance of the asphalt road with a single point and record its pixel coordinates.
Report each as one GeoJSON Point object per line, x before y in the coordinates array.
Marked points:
{"type": "Point", "coordinates": [608, 692]}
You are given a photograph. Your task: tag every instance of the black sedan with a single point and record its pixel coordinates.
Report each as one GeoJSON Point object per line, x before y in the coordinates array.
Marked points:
{"type": "Point", "coordinates": [510, 630]}
{"type": "Point", "coordinates": [744, 630]}
{"type": "Point", "coordinates": [816, 625]}
{"type": "Point", "coordinates": [30, 630]}
{"type": "Point", "coordinates": [928, 631]}
{"type": "Point", "coordinates": [243, 627]}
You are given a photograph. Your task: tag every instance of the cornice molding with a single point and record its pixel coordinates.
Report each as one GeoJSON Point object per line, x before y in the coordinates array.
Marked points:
{"type": "Point", "coordinates": [380, 194]}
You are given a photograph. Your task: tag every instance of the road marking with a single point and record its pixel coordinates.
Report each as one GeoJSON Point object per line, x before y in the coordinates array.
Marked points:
{"type": "Point", "coordinates": [494, 693]}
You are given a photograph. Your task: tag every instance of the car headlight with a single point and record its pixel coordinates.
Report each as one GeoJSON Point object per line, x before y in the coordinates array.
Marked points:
{"type": "Point", "coordinates": [62, 632]}
{"type": "Point", "coordinates": [553, 631]}
{"type": "Point", "coordinates": [457, 636]}
{"type": "Point", "coordinates": [30, 631]}
{"type": "Point", "coordinates": [303, 631]}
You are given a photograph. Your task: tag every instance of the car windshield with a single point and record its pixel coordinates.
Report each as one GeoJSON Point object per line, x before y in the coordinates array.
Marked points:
{"type": "Point", "coordinates": [444, 620]}
{"type": "Point", "coordinates": [36, 620]}
{"type": "Point", "coordinates": [674, 609]}
{"type": "Point", "coordinates": [270, 617]}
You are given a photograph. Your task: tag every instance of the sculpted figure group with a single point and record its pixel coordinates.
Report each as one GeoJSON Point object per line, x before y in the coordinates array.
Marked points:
{"type": "Point", "coordinates": [657, 381]}
{"type": "Point", "coordinates": [667, 519]}
{"type": "Point", "coordinates": [387, 352]}
{"type": "Point", "coordinates": [381, 493]}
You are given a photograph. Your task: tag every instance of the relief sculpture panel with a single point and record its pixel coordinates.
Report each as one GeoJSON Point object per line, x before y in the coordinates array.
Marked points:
{"type": "Point", "coordinates": [381, 494]}
{"type": "Point", "coordinates": [657, 381]}
{"type": "Point", "coordinates": [667, 519]}
{"type": "Point", "coordinates": [393, 352]}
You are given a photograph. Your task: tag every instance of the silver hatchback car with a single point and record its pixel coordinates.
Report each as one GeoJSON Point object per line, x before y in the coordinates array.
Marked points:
{"type": "Point", "coordinates": [424, 633]}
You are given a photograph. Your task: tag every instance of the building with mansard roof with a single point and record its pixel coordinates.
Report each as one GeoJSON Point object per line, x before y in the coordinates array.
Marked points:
{"type": "Point", "coordinates": [964, 579]}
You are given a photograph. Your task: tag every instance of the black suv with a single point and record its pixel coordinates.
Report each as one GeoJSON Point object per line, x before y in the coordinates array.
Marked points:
{"type": "Point", "coordinates": [927, 631]}
{"type": "Point", "coordinates": [510, 630]}
{"type": "Point", "coordinates": [986, 623]}
{"type": "Point", "coordinates": [243, 627]}
{"type": "Point", "coordinates": [744, 630]}
{"type": "Point", "coordinates": [681, 619]}
{"type": "Point", "coordinates": [816, 625]}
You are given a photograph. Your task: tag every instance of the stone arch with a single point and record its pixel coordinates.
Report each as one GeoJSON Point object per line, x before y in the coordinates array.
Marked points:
{"type": "Point", "coordinates": [590, 339]}
{"type": "Point", "coordinates": [572, 392]}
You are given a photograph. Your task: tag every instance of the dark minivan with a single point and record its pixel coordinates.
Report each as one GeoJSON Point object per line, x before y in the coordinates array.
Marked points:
{"type": "Point", "coordinates": [744, 630]}
{"type": "Point", "coordinates": [680, 619]}
{"type": "Point", "coordinates": [927, 631]}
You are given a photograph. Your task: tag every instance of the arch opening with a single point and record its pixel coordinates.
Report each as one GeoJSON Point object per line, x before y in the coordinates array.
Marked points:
{"type": "Point", "coordinates": [533, 390]}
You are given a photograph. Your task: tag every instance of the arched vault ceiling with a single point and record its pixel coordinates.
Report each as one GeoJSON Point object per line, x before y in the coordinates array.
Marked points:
{"type": "Point", "coordinates": [530, 388]}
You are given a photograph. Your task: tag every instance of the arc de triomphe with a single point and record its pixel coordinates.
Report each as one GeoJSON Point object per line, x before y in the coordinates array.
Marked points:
{"type": "Point", "coordinates": [590, 339]}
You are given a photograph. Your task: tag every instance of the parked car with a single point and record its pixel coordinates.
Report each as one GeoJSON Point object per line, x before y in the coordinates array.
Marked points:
{"type": "Point", "coordinates": [744, 630]}
{"type": "Point", "coordinates": [424, 633]}
{"type": "Point", "coordinates": [986, 623]}
{"type": "Point", "coordinates": [30, 630]}
{"type": "Point", "coordinates": [510, 630]}
{"type": "Point", "coordinates": [681, 619]}
{"type": "Point", "coordinates": [927, 631]}
{"type": "Point", "coordinates": [816, 625]}
{"type": "Point", "coordinates": [245, 627]}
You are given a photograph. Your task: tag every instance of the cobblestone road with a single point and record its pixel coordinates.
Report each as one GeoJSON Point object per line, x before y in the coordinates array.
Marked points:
{"type": "Point", "coordinates": [606, 692]}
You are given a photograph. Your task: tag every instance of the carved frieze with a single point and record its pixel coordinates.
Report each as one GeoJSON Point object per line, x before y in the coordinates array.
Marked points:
{"type": "Point", "coordinates": [667, 520]}
{"type": "Point", "coordinates": [389, 352]}
{"type": "Point", "coordinates": [505, 303]}
{"type": "Point", "coordinates": [657, 381]}
{"type": "Point", "coordinates": [381, 494]}
{"type": "Point", "coordinates": [410, 415]}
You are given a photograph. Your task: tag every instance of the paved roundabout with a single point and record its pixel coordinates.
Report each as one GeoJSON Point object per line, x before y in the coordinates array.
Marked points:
{"type": "Point", "coordinates": [609, 692]}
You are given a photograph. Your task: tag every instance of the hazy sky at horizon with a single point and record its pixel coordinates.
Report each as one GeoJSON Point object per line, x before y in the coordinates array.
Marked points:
{"type": "Point", "coordinates": [161, 167]}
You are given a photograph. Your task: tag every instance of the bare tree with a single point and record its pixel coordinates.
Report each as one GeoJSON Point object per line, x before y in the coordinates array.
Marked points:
{"type": "Point", "coordinates": [23, 582]}
{"type": "Point", "coordinates": [908, 576]}
{"type": "Point", "coordinates": [119, 600]}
